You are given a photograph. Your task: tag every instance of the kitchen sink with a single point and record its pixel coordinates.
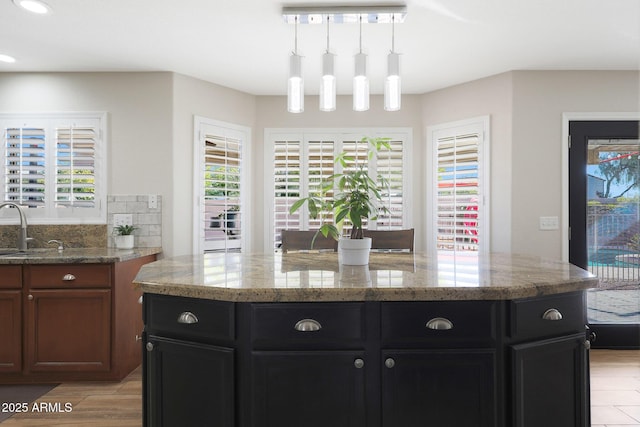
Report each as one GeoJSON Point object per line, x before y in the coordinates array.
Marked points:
{"type": "Point", "coordinates": [13, 252]}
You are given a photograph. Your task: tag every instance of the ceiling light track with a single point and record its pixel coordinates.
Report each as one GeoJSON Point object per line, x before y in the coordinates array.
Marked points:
{"type": "Point", "coordinates": [344, 14]}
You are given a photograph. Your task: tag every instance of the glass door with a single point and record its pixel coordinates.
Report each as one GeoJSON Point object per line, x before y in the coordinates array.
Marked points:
{"type": "Point", "coordinates": [607, 166]}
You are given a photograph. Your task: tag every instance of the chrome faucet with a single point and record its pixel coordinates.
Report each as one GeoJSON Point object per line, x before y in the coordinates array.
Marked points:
{"type": "Point", "coordinates": [22, 241]}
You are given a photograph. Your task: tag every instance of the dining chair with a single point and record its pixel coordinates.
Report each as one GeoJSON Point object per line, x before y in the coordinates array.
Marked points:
{"type": "Point", "coordinates": [391, 239]}
{"type": "Point", "coordinates": [300, 240]}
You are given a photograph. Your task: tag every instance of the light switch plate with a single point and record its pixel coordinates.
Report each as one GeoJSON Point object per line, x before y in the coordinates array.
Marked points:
{"type": "Point", "coordinates": [122, 219]}
{"type": "Point", "coordinates": [153, 201]}
{"type": "Point", "coordinates": [549, 223]}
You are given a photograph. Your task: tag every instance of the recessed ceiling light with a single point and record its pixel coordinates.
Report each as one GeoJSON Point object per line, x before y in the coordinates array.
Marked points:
{"type": "Point", "coordinates": [34, 6]}
{"type": "Point", "coordinates": [7, 58]}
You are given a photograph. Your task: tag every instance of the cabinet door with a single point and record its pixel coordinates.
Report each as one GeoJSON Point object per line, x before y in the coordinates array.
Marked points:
{"type": "Point", "coordinates": [188, 384]}
{"type": "Point", "coordinates": [439, 388]}
{"type": "Point", "coordinates": [68, 330]}
{"type": "Point", "coordinates": [10, 331]}
{"type": "Point", "coordinates": [310, 389]}
{"type": "Point", "coordinates": [550, 383]}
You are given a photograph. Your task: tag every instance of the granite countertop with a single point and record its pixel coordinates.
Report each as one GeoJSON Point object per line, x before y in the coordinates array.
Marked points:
{"type": "Point", "coordinates": [388, 277]}
{"type": "Point", "coordinates": [73, 255]}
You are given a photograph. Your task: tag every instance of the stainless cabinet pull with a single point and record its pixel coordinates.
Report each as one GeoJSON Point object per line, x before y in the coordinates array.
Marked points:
{"type": "Point", "coordinates": [141, 299]}
{"type": "Point", "coordinates": [358, 363]}
{"type": "Point", "coordinates": [68, 277]}
{"type": "Point", "coordinates": [149, 346]}
{"type": "Point", "coordinates": [587, 344]}
{"type": "Point", "coordinates": [440, 323]}
{"type": "Point", "coordinates": [552, 314]}
{"type": "Point", "coordinates": [389, 363]}
{"type": "Point", "coordinates": [138, 338]}
{"type": "Point", "coordinates": [307, 325]}
{"type": "Point", "coordinates": [187, 317]}
{"type": "Point", "coordinates": [30, 297]}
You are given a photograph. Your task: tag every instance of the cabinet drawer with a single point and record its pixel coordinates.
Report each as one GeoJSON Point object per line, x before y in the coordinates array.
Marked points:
{"type": "Point", "coordinates": [180, 317]}
{"type": "Point", "coordinates": [538, 317]}
{"type": "Point", "coordinates": [439, 323]}
{"type": "Point", "coordinates": [10, 277]}
{"type": "Point", "coordinates": [308, 325]}
{"type": "Point", "coordinates": [68, 276]}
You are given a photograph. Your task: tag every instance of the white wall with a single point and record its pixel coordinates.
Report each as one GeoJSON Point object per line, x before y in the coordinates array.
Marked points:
{"type": "Point", "coordinates": [539, 99]}
{"type": "Point", "coordinates": [271, 112]}
{"type": "Point", "coordinates": [490, 96]}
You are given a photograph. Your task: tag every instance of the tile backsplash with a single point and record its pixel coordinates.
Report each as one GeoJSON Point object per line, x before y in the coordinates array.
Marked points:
{"type": "Point", "coordinates": [146, 219]}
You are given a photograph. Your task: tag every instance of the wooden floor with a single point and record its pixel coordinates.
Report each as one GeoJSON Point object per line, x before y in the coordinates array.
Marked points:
{"type": "Point", "coordinates": [615, 398]}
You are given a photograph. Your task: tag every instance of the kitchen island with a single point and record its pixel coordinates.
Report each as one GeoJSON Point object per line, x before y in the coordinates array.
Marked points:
{"type": "Point", "coordinates": [448, 340]}
{"type": "Point", "coordinates": [70, 315]}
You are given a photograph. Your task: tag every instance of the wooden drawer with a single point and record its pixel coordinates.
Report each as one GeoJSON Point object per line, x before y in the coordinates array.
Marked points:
{"type": "Point", "coordinates": [437, 324]}
{"type": "Point", "coordinates": [180, 317]}
{"type": "Point", "coordinates": [308, 325]}
{"type": "Point", "coordinates": [534, 318]}
{"type": "Point", "coordinates": [68, 276]}
{"type": "Point", "coordinates": [11, 277]}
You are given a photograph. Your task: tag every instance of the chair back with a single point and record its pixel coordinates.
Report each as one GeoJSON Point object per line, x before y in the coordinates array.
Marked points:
{"type": "Point", "coordinates": [299, 240]}
{"type": "Point", "coordinates": [391, 239]}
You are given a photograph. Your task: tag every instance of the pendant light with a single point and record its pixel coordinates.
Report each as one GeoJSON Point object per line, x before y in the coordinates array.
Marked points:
{"type": "Point", "coordinates": [328, 82]}
{"type": "Point", "coordinates": [360, 80]}
{"type": "Point", "coordinates": [392, 90]}
{"type": "Point", "coordinates": [295, 89]}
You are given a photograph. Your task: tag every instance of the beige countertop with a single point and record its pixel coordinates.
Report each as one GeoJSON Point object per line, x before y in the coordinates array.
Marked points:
{"type": "Point", "coordinates": [74, 255]}
{"type": "Point", "coordinates": [314, 277]}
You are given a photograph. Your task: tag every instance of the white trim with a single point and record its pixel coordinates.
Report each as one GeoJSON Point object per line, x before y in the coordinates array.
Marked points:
{"type": "Point", "coordinates": [198, 190]}
{"type": "Point", "coordinates": [339, 134]}
{"type": "Point", "coordinates": [566, 118]}
{"type": "Point", "coordinates": [485, 168]}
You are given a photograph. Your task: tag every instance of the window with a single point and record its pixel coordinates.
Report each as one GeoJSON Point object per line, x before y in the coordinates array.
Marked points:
{"type": "Point", "coordinates": [298, 161]}
{"type": "Point", "coordinates": [460, 182]}
{"type": "Point", "coordinates": [220, 188]}
{"type": "Point", "coordinates": [53, 164]}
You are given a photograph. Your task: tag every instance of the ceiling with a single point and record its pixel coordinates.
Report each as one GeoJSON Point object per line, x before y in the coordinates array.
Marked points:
{"type": "Point", "coordinates": [245, 44]}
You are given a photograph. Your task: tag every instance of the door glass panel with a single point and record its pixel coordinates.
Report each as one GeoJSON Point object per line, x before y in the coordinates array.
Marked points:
{"type": "Point", "coordinates": [613, 230]}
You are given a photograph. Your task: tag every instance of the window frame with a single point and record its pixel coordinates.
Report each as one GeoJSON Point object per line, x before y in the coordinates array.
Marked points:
{"type": "Point", "coordinates": [50, 121]}
{"type": "Point", "coordinates": [338, 135]}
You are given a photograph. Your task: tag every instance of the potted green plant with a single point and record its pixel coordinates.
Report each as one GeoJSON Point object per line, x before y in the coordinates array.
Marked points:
{"type": "Point", "coordinates": [356, 197]}
{"type": "Point", "coordinates": [124, 238]}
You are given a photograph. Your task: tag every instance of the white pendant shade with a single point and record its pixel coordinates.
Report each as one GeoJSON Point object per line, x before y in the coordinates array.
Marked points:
{"type": "Point", "coordinates": [392, 89]}
{"type": "Point", "coordinates": [327, 84]}
{"type": "Point", "coordinates": [295, 89]}
{"type": "Point", "coordinates": [360, 84]}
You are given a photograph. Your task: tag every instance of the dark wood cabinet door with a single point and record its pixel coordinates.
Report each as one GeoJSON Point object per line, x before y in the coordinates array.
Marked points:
{"type": "Point", "coordinates": [550, 383]}
{"type": "Point", "coordinates": [443, 388]}
{"type": "Point", "coordinates": [188, 384]}
{"type": "Point", "coordinates": [11, 331]}
{"type": "Point", "coordinates": [68, 330]}
{"type": "Point", "coordinates": [308, 388]}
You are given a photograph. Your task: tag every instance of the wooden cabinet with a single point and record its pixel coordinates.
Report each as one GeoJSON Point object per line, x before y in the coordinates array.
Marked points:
{"type": "Point", "coordinates": [366, 364]}
{"type": "Point", "coordinates": [69, 322]}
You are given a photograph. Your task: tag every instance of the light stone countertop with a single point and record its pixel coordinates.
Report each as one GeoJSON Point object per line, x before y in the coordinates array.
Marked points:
{"type": "Point", "coordinates": [310, 277]}
{"type": "Point", "coordinates": [75, 255]}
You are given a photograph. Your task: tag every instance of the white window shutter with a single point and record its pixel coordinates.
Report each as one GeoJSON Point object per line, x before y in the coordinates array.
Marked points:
{"type": "Point", "coordinates": [25, 166]}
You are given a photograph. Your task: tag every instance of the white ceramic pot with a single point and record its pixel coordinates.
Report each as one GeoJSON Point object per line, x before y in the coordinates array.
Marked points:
{"type": "Point", "coordinates": [354, 251]}
{"type": "Point", "coordinates": [124, 242]}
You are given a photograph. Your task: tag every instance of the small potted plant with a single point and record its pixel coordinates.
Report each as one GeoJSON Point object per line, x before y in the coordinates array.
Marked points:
{"type": "Point", "coordinates": [357, 197]}
{"type": "Point", "coordinates": [124, 238]}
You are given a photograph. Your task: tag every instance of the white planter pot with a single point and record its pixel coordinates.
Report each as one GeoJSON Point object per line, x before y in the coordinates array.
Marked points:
{"type": "Point", "coordinates": [354, 251]}
{"type": "Point", "coordinates": [124, 242]}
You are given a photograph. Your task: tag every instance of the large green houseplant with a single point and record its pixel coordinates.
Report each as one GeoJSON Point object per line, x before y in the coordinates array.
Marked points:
{"type": "Point", "coordinates": [356, 195]}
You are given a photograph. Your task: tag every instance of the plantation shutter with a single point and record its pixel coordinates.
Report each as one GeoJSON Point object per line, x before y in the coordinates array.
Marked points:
{"type": "Point", "coordinates": [75, 166]}
{"type": "Point", "coordinates": [390, 165]}
{"type": "Point", "coordinates": [320, 166]}
{"type": "Point", "coordinates": [358, 151]}
{"type": "Point", "coordinates": [24, 168]}
{"type": "Point", "coordinates": [287, 173]}
{"type": "Point", "coordinates": [458, 192]}
{"type": "Point", "coordinates": [221, 179]}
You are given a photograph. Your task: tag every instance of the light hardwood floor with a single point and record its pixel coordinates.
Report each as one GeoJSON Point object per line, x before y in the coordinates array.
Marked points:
{"type": "Point", "coordinates": [615, 398]}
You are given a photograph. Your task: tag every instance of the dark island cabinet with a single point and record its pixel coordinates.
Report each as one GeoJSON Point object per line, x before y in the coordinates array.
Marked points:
{"type": "Point", "coordinates": [366, 364]}
{"type": "Point", "coordinates": [189, 384]}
